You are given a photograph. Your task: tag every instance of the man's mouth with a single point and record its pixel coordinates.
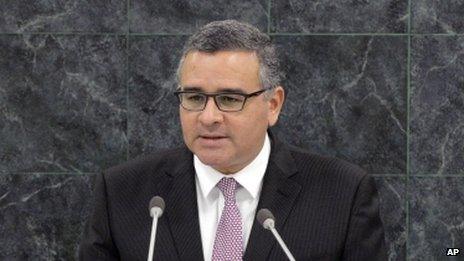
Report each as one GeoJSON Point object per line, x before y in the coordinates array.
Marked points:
{"type": "Point", "coordinates": [212, 137]}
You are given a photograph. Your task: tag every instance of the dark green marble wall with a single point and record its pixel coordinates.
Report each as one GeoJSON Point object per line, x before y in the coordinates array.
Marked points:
{"type": "Point", "coordinates": [85, 85]}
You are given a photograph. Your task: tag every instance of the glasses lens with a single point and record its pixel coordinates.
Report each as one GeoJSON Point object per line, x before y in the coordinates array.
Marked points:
{"type": "Point", "coordinates": [193, 101]}
{"type": "Point", "coordinates": [230, 102]}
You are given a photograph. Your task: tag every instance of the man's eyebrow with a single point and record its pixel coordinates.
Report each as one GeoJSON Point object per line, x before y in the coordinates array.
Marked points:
{"type": "Point", "coordinates": [231, 90]}
{"type": "Point", "coordinates": [190, 88]}
{"type": "Point", "coordinates": [227, 90]}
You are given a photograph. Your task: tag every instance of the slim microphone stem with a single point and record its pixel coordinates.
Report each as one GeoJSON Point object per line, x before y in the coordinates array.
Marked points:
{"type": "Point", "coordinates": [282, 244]}
{"type": "Point", "coordinates": [152, 238]}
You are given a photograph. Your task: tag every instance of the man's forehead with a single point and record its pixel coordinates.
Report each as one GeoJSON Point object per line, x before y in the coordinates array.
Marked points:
{"type": "Point", "coordinates": [225, 56]}
{"type": "Point", "coordinates": [225, 70]}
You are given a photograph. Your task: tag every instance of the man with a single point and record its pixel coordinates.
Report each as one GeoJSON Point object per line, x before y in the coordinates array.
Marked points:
{"type": "Point", "coordinates": [232, 166]}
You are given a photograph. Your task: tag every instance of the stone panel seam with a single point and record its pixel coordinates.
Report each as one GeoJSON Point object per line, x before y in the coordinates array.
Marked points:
{"type": "Point", "coordinates": [408, 131]}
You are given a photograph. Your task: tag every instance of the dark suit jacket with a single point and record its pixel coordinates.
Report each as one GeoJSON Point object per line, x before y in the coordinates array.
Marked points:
{"type": "Point", "coordinates": [325, 209]}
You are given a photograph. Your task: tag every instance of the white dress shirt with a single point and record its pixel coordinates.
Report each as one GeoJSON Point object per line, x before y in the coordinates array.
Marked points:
{"type": "Point", "coordinates": [211, 201]}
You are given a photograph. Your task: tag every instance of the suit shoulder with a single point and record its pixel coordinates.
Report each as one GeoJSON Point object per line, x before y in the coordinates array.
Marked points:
{"type": "Point", "coordinates": [329, 167]}
{"type": "Point", "coordinates": [141, 166]}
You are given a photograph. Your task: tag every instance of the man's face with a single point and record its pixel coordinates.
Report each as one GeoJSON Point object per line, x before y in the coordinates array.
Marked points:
{"type": "Point", "coordinates": [226, 141]}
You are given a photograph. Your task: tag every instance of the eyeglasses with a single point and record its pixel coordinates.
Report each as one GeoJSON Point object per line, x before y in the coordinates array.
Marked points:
{"type": "Point", "coordinates": [225, 101]}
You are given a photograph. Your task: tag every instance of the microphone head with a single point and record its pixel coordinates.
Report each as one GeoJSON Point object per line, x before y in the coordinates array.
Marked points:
{"type": "Point", "coordinates": [265, 218]}
{"type": "Point", "coordinates": [157, 202]}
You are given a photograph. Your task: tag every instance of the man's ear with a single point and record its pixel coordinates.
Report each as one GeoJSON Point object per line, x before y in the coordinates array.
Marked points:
{"type": "Point", "coordinates": [275, 103]}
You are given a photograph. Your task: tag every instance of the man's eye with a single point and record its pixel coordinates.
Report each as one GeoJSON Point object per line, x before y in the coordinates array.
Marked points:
{"type": "Point", "coordinates": [231, 99]}
{"type": "Point", "coordinates": [195, 97]}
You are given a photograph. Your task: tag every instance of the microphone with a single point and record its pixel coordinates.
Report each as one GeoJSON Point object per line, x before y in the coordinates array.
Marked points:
{"type": "Point", "coordinates": [156, 208]}
{"type": "Point", "coordinates": [267, 220]}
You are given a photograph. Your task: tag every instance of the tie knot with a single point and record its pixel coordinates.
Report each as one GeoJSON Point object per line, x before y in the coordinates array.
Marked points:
{"type": "Point", "coordinates": [228, 187]}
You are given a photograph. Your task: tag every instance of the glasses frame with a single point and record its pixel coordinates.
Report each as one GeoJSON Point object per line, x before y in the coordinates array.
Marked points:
{"type": "Point", "coordinates": [214, 96]}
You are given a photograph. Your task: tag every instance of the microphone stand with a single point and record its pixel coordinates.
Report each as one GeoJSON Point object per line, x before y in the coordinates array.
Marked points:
{"type": "Point", "coordinates": [282, 243]}
{"type": "Point", "coordinates": [152, 238]}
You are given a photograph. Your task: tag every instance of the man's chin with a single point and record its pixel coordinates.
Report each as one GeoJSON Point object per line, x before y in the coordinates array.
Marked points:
{"type": "Point", "coordinates": [213, 160]}
{"type": "Point", "coordinates": [210, 160]}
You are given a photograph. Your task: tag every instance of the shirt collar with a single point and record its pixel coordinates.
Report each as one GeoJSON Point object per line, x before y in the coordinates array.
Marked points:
{"type": "Point", "coordinates": [249, 177]}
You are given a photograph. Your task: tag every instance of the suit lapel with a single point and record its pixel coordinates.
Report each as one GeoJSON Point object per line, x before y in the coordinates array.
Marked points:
{"type": "Point", "coordinates": [278, 195]}
{"type": "Point", "coordinates": [182, 211]}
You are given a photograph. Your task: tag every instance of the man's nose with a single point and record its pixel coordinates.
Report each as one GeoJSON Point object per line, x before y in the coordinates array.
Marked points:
{"type": "Point", "coordinates": [211, 114]}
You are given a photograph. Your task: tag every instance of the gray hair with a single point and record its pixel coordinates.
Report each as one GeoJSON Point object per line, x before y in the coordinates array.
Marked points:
{"type": "Point", "coordinates": [233, 35]}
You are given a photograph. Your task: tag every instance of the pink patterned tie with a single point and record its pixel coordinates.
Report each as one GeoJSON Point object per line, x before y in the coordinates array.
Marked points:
{"type": "Point", "coordinates": [228, 245]}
